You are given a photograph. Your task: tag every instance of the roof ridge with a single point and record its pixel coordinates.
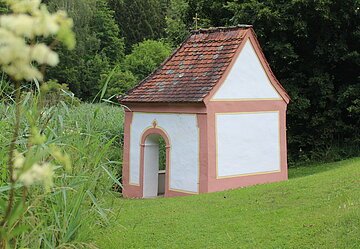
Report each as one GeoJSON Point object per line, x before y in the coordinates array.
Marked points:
{"type": "Point", "coordinates": [212, 40]}
{"type": "Point", "coordinates": [216, 29]}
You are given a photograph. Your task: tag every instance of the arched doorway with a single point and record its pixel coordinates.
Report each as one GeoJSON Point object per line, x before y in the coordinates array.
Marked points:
{"type": "Point", "coordinates": [154, 162]}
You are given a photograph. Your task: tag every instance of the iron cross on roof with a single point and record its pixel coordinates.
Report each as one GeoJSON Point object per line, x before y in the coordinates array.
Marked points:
{"type": "Point", "coordinates": [196, 18]}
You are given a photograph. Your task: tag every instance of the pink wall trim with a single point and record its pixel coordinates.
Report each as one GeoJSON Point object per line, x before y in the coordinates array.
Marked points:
{"type": "Point", "coordinates": [167, 107]}
{"type": "Point", "coordinates": [206, 123]}
{"type": "Point", "coordinates": [131, 191]}
{"type": "Point", "coordinates": [245, 106]}
{"type": "Point", "coordinates": [172, 193]}
{"type": "Point", "coordinates": [168, 146]}
{"type": "Point", "coordinates": [203, 157]}
{"type": "Point", "coordinates": [215, 184]}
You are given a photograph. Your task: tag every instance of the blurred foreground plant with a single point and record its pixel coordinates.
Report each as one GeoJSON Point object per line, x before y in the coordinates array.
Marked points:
{"type": "Point", "coordinates": [23, 59]}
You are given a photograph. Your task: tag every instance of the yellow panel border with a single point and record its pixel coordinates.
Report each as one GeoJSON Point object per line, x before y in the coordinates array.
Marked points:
{"type": "Point", "coordinates": [216, 144]}
{"type": "Point", "coordinates": [244, 99]}
{"type": "Point", "coordinates": [249, 174]}
{"type": "Point", "coordinates": [183, 191]}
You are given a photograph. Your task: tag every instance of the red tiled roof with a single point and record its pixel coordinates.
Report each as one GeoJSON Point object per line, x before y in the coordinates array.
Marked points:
{"type": "Point", "coordinates": [192, 71]}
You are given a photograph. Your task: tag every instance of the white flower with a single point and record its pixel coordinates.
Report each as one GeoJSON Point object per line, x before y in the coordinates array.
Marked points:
{"type": "Point", "coordinates": [21, 70]}
{"type": "Point", "coordinates": [22, 6]}
{"type": "Point", "coordinates": [44, 55]}
{"type": "Point", "coordinates": [21, 24]}
{"type": "Point", "coordinates": [47, 23]}
{"type": "Point", "coordinates": [31, 20]}
{"type": "Point", "coordinates": [12, 48]}
{"type": "Point", "coordinates": [38, 173]}
{"type": "Point", "coordinates": [19, 161]}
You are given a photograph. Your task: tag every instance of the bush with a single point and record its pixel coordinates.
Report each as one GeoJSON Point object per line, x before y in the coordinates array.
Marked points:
{"type": "Point", "coordinates": [146, 56]}
{"type": "Point", "coordinates": [120, 82]}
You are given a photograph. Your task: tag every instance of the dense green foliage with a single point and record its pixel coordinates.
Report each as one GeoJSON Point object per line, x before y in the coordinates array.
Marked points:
{"type": "Point", "coordinates": [120, 82]}
{"type": "Point", "coordinates": [99, 47]}
{"type": "Point", "coordinates": [318, 207]}
{"type": "Point", "coordinates": [210, 13]}
{"type": "Point", "coordinates": [3, 8]}
{"type": "Point", "coordinates": [101, 41]}
{"type": "Point", "coordinates": [57, 93]}
{"type": "Point", "coordinates": [140, 19]}
{"type": "Point", "coordinates": [314, 50]}
{"type": "Point", "coordinates": [145, 57]}
{"type": "Point", "coordinates": [176, 28]}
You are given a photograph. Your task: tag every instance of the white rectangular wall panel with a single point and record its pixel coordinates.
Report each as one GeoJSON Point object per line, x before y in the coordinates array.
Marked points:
{"type": "Point", "coordinates": [183, 133]}
{"type": "Point", "coordinates": [247, 143]}
{"type": "Point", "coordinates": [247, 79]}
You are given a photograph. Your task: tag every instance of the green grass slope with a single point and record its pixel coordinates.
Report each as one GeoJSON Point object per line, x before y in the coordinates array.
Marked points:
{"type": "Point", "coordinates": [319, 207]}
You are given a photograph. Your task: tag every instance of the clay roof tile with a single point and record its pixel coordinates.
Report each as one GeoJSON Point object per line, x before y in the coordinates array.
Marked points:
{"type": "Point", "coordinates": [192, 71]}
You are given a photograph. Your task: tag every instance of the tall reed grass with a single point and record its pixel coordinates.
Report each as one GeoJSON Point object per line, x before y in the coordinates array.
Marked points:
{"type": "Point", "coordinates": [91, 134]}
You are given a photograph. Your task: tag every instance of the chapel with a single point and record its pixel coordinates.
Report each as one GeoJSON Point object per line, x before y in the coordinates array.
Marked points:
{"type": "Point", "coordinates": [220, 112]}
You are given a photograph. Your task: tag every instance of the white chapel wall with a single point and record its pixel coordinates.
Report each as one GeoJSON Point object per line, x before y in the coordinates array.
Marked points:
{"type": "Point", "coordinates": [247, 143]}
{"type": "Point", "coordinates": [183, 134]}
{"type": "Point", "coordinates": [247, 79]}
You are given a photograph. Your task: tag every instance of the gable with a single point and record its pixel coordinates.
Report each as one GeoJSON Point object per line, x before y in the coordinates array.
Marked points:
{"type": "Point", "coordinates": [247, 79]}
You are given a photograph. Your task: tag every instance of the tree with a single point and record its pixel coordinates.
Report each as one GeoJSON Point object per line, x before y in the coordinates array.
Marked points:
{"type": "Point", "coordinates": [140, 19]}
{"type": "Point", "coordinates": [120, 82]}
{"type": "Point", "coordinates": [108, 33]}
{"type": "Point", "coordinates": [99, 46]}
{"type": "Point", "coordinates": [210, 13]}
{"type": "Point", "coordinates": [145, 57]}
{"type": "Point", "coordinates": [176, 29]}
{"type": "Point", "coordinates": [314, 50]}
{"type": "Point", "coordinates": [3, 8]}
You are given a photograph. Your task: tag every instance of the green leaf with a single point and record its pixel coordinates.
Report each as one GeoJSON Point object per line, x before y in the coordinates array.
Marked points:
{"type": "Point", "coordinates": [112, 176]}
{"type": "Point", "coordinates": [16, 213]}
{"type": "Point", "coordinates": [98, 208]}
{"type": "Point", "coordinates": [8, 187]}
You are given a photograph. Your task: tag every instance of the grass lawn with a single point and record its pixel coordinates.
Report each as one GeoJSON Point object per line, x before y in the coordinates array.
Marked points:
{"type": "Point", "coordinates": [319, 207]}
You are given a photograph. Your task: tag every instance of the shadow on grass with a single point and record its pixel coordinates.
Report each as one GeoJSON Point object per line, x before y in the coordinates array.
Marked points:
{"type": "Point", "coordinates": [315, 168]}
